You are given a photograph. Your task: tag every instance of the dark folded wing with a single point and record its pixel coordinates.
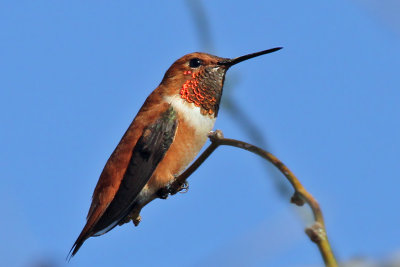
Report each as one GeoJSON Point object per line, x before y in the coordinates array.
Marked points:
{"type": "Point", "coordinates": [148, 152]}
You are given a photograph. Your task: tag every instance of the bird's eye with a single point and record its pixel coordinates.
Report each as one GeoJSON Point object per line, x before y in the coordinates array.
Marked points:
{"type": "Point", "coordinates": [195, 63]}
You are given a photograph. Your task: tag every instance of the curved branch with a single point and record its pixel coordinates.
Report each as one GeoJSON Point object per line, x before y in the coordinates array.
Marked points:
{"type": "Point", "coordinates": [316, 232]}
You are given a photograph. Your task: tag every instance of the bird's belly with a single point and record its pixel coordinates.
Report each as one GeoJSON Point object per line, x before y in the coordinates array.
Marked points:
{"type": "Point", "coordinates": [191, 135]}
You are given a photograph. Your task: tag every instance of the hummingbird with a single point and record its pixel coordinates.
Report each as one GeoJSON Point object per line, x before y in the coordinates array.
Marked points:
{"type": "Point", "coordinates": [165, 136]}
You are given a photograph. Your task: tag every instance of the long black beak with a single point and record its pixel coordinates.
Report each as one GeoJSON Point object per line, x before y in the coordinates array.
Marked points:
{"type": "Point", "coordinates": [231, 62]}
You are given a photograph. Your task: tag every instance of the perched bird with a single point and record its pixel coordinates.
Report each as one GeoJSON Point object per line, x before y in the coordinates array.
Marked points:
{"type": "Point", "coordinates": [166, 135]}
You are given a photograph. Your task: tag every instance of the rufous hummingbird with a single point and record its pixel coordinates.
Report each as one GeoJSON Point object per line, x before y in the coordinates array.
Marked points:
{"type": "Point", "coordinates": [166, 135]}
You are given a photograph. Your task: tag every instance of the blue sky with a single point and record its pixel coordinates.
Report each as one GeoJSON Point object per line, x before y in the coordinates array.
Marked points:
{"type": "Point", "coordinates": [73, 75]}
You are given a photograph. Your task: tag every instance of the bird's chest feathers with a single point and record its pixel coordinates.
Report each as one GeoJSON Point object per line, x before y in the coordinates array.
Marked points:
{"type": "Point", "coordinates": [191, 114]}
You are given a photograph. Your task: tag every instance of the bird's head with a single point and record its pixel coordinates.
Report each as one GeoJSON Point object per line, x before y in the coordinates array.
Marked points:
{"type": "Point", "coordinates": [199, 78]}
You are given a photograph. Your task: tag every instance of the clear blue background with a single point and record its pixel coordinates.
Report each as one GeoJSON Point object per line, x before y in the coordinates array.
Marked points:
{"type": "Point", "coordinates": [74, 73]}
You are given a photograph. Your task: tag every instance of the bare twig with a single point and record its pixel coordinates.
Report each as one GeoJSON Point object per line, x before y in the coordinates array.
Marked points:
{"type": "Point", "coordinates": [255, 134]}
{"type": "Point", "coordinates": [316, 232]}
{"type": "Point", "coordinates": [202, 24]}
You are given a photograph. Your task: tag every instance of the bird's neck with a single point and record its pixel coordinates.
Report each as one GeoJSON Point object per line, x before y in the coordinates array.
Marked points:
{"type": "Point", "coordinates": [191, 114]}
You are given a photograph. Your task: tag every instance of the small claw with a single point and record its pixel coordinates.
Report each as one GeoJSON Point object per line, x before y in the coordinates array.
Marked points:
{"type": "Point", "coordinates": [137, 220]}
{"type": "Point", "coordinates": [184, 188]}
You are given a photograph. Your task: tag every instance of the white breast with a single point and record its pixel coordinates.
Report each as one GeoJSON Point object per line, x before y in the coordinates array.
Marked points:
{"type": "Point", "coordinates": [191, 114]}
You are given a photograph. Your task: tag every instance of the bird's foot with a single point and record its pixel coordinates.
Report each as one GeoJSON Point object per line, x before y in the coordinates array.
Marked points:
{"type": "Point", "coordinates": [137, 220]}
{"type": "Point", "coordinates": [177, 187]}
{"type": "Point", "coordinates": [125, 220]}
{"type": "Point", "coordinates": [163, 193]}
{"type": "Point", "coordinates": [133, 216]}
{"type": "Point", "coordinates": [172, 189]}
